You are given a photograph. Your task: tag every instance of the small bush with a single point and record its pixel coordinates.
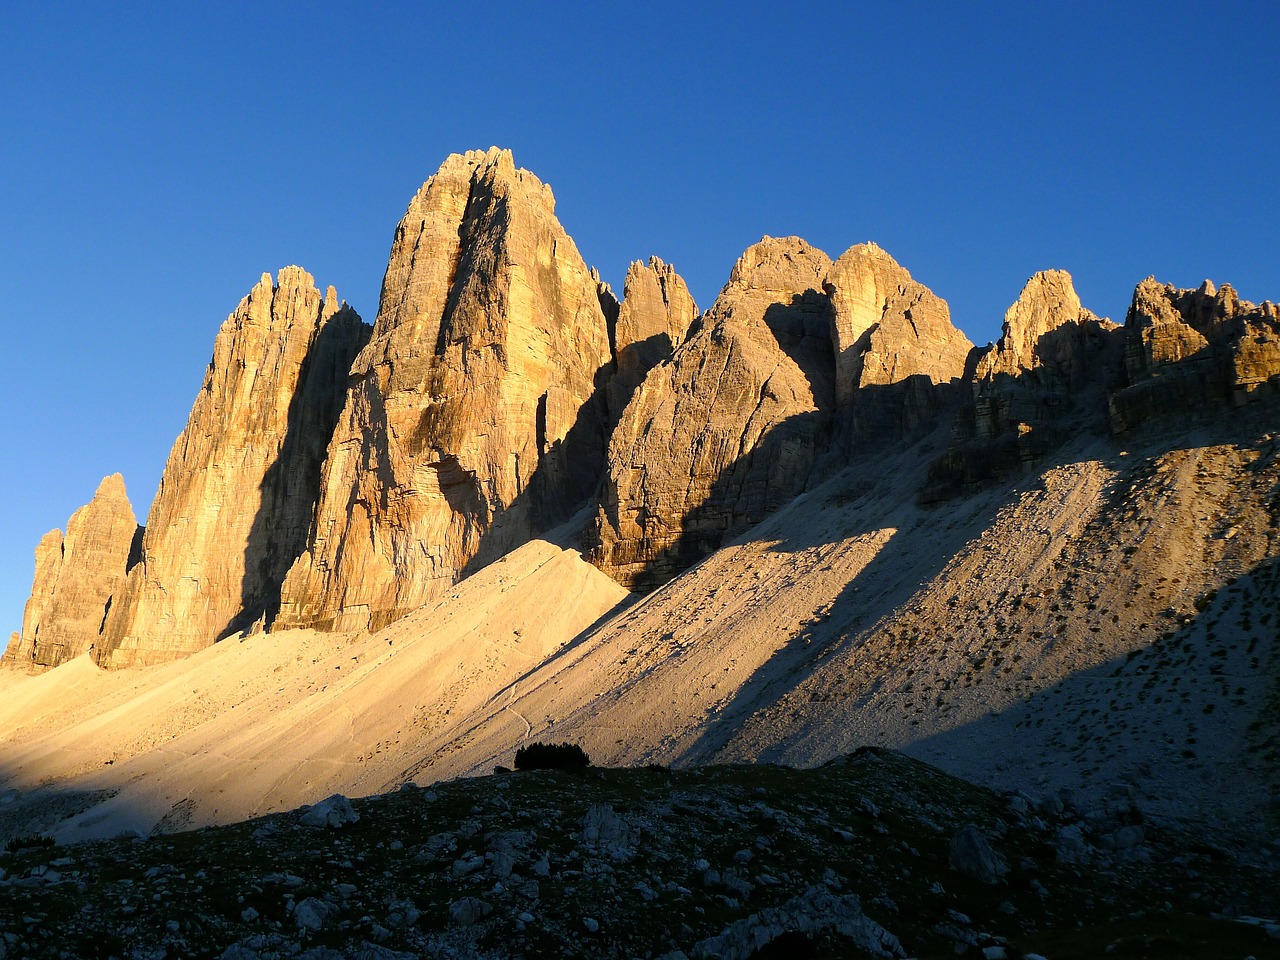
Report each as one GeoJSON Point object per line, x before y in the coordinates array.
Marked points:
{"type": "Point", "coordinates": [32, 842]}
{"type": "Point", "coordinates": [551, 756]}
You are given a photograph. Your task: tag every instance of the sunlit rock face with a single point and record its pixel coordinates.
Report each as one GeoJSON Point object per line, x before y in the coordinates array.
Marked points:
{"type": "Point", "coordinates": [653, 319]}
{"type": "Point", "coordinates": [237, 493]}
{"type": "Point", "coordinates": [894, 344]}
{"type": "Point", "coordinates": [730, 428]}
{"type": "Point", "coordinates": [1185, 349]}
{"type": "Point", "coordinates": [78, 577]}
{"type": "Point", "coordinates": [1053, 356]}
{"type": "Point", "coordinates": [476, 416]}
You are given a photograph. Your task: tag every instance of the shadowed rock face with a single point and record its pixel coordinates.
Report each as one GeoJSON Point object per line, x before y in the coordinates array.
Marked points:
{"type": "Point", "coordinates": [729, 429]}
{"type": "Point", "coordinates": [1050, 353]}
{"type": "Point", "coordinates": [77, 578]}
{"type": "Point", "coordinates": [888, 331]}
{"type": "Point", "coordinates": [237, 494]}
{"type": "Point", "coordinates": [1186, 348]}
{"type": "Point", "coordinates": [476, 416]}
{"type": "Point", "coordinates": [1047, 376]}
{"type": "Point", "coordinates": [653, 319]}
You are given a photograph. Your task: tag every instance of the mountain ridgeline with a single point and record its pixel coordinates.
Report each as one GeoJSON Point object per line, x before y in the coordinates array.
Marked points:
{"type": "Point", "coordinates": [337, 476]}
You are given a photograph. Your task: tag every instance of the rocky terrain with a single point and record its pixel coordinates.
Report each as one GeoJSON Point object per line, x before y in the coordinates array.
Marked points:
{"type": "Point", "coordinates": [812, 519]}
{"type": "Point", "coordinates": [870, 855]}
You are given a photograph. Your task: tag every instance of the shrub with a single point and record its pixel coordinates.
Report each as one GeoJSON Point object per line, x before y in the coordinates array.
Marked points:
{"type": "Point", "coordinates": [32, 842]}
{"type": "Point", "coordinates": [551, 756]}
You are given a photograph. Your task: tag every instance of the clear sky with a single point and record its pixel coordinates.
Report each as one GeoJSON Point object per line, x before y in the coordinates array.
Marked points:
{"type": "Point", "coordinates": [156, 160]}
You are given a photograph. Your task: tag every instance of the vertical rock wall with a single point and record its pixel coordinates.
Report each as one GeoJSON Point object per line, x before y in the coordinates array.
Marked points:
{"type": "Point", "coordinates": [237, 494]}
{"type": "Point", "coordinates": [729, 429]}
{"type": "Point", "coordinates": [77, 579]}
{"type": "Point", "coordinates": [476, 416]}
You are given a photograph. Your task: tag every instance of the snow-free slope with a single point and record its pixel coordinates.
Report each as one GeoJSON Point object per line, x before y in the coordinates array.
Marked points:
{"type": "Point", "coordinates": [272, 721]}
{"type": "Point", "coordinates": [1058, 630]}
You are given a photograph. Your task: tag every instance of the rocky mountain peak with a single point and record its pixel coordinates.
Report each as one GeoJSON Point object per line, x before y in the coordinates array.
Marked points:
{"type": "Point", "coordinates": [1185, 348]}
{"type": "Point", "coordinates": [77, 579]}
{"type": "Point", "coordinates": [894, 342]}
{"type": "Point", "coordinates": [778, 265]}
{"type": "Point", "coordinates": [655, 315]}
{"type": "Point", "coordinates": [1043, 332]}
{"type": "Point", "coordinates": [727, 430]}
{"type": "Point", "coordinates": [237, 492]}
{"type": "Point", "coordinates": [477, 411]}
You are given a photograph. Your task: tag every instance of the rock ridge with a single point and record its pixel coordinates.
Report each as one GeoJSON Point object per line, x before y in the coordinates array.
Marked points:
{"type": "Point", "coordinates": [1185, 348]}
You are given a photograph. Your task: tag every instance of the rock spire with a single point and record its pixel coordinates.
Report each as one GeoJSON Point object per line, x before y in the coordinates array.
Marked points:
{"type": "Point", "coordinates": [653, 319]}
{"type": "Point", "coordinates": [729, 429]}
{"type": "Point", "coordinates": [476, 417]}
{"type": "Point", "coordinates": [1051, 353]}
{"type": "Point", "coordinates": [236, 496]}
{"type": "Point", "coordinates": [78, 578]}
{"type": "Point", "coordinates": [894, 342]}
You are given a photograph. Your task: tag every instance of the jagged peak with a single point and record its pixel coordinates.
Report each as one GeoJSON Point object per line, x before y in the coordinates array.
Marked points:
{"type": "Point", "coordinates": [1047, 301]}
{"type": "Point", "coordinates": [493, 166]}
{"type": "Point", "coordinates": [112, 486]}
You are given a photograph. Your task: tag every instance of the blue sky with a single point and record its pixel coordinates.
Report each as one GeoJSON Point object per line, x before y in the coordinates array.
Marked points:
{"type": "Point", "coordinates": [155, 160]}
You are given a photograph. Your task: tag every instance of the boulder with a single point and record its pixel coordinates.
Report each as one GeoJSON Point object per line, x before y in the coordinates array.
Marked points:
{"type": "Point", "coordinates": [331, 813]}
{"type": "Point", "coordinates": [971, 855]}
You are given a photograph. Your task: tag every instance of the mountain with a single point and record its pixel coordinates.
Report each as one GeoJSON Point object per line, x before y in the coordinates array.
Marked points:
{"type": "Point", "coordinates": [237, 493]}
{"type": "Point", "coordinates": [476, 416]}
{"type": "Point", "coordinates": [816, 518]}
{"type": "Point", "coordinates": [78, 577]}
{"type": "Point", "coordinates": [728, 429]}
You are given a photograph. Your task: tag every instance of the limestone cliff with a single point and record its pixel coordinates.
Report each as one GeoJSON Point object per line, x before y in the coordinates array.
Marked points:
{"type": "Point", "coordinates": [1051, 353]}
{"type": "Point", "coordinates": [237, 493]}
{"type": "Point", "coordinates": [476, 415]}
{"type": "Point", "coordinates": [1190, 350]}
{"type": "Point", "coordinates": [77, 579]}
{"type": "Point", "coordinates": [653, 319]}
{"type": "Point", "coordinates": [729, 429]}
{"type": "Point", "coordinates": [894, 342]}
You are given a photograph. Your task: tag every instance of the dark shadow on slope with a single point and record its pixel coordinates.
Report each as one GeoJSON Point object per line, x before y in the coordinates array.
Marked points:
{"type": "Point", "coordinates": [35, 811]}
{"type": "Point", "coordinates": [914, 556]}
{"type": "Point", "coordinates": [869, 499]}
{"type": "Point", "coordinates": [290, 489]}
{"type": "Point", "coordinates": [1197, 710]}
{"type": "Point", "coordinates": [921, 545]}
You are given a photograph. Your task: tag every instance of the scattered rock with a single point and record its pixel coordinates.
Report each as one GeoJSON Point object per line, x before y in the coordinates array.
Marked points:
{"type": "Point", "coordinates": [469, 910]}
{"type": "Point", "coordinates": [313, 913]}
{"type": "Point", "coordinates": [604, 830]}
{"type": "Point", "coordinates": [334, 812]}
{"type": "Point", "coordinates": [971, 855]}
